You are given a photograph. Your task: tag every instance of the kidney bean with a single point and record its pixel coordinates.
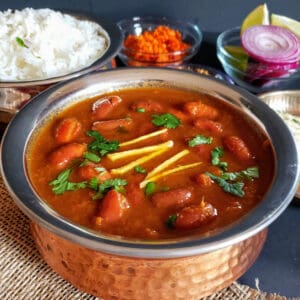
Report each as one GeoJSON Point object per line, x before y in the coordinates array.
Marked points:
{"type": "Point", "coordinates": [238, 147]}
{"type": "Point", "coordinates": [67, 130]}
{"type": "Point", "coordinates": [112, 124]}
{"type": "Point", "coordinates": [208, 125]}
{"type": "Point", "coordinates": [201, 110]}
{"type": "Point", "coordinates": [179, 114]}
{"type": "Point", "coordinates": [194, 216]}
{"type": "Point", "coordinates": [102, 107]}
{"type": "Point", "coordinates": [92, 170]}
{"type": "Point", "coordinates": [174, 197]}
{"type": "Point", "coordinates": [65, 154]}
{"type": "Point", "coordinates": [113, 206]}
{"type": "Point", "coordinates": [134, 194]}
{"type": "Point", "coordinates": [203, 180]}
{"type": "Point", "coordinates": [148, 105]}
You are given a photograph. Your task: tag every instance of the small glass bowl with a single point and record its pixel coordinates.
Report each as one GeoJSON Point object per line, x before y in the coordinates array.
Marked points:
{"type": "Point", "coordinates": [251, 75]}
{"type": "Point", "coordinates": [191, 34]}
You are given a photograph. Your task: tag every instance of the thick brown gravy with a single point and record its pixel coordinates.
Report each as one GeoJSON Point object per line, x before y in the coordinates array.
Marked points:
{"type": "Point", "coordinates": [211, 140]}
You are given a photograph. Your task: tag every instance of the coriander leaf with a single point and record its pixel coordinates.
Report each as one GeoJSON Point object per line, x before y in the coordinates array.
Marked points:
{"type": "Point", "coordinates": [141, 109]}
{"type": "Point", "coordinates": [296, 121]}
{"type": "Point", "coordinates": [91, 156]}
{"type": "Point", "coordinates": [116, 183]}
{"type": "Point", "coordinates": [215, 158]}
{"type": "Point", "coordinates": [140, 169]}
{"type": "Point", "coordinates": [100, 144]}
{"type": "Point", "coordinates": [62, 184]}
{"type": "Point", "coordinates": [199, 140]}
{"type": "Point", "coordinates": [171, 221]}
{"type": "Point", "coordinates": [149, 189]}
{"type": "Point", "coordinates": [235, 188]}
{"type": "Point", "coordinates": [166, 120]}
{"type": "Point", "coordinates": [93, 184]}
{"type": "Point", "coordinates": [21, 42]}
{"type": "Point", "coordinates": [249, 173]}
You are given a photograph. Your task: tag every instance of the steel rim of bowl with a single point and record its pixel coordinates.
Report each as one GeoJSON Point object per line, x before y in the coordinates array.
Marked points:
{"type": "Point", "coordinates": [277, 199]}
{"type": "Point", "coordinates": [115, 44]}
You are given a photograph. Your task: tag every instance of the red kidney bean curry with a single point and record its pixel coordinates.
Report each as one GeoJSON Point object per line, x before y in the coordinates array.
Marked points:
{"type": "Point", "coordinates": [151, 163]}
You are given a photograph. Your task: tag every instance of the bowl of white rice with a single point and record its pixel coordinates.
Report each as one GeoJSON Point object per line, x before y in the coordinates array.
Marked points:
{"type": "Point", "coordinates": [40, 47]}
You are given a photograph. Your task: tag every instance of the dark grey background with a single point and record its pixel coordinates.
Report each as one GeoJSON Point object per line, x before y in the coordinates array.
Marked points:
{"type": "Point", "coordinates": [278, 266]}
{"type": "Point", "coordinates": [211, 15]}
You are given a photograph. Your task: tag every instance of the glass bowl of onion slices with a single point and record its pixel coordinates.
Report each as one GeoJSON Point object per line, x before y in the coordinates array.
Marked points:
{"type": "Point", "coordinates": [260, 59]}
{"type": "Point", "coordinates": [287, 105]}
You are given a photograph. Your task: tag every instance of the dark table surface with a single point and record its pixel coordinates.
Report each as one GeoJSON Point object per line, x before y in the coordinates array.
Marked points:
{"type": "Point", "coordinates": [278, 266]}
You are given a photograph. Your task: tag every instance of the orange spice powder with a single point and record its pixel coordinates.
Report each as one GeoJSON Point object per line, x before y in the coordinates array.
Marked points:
{"type": "Point", "coordinates": [156, 46]}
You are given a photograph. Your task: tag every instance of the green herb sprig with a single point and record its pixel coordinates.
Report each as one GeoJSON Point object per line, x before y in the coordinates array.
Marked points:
{"type": "Point", "coordinates": [62, 184]}
{"type": "Point", "coordinates": [107, 185]}
{"type": "Point", "coordinates": [21, 42]}
{"type": "Point", "coordinates": [199, 140]}
{"type": "Point", "coordinates": [166, 120]}
{"type": "Point", "coordinates": [235, 188]}
{"type": "Point", "coordinates": [227, 180]}
{"type": "Point", "coordinates": [100, 144]}
{"type": "Point", "coordinates": [140, 169]}
{"type": "Point", "coordinates": [150, 188]}
{"type": "Point", "coordinates": [216, 154]}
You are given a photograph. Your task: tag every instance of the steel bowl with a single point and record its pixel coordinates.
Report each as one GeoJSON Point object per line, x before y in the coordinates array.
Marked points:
{"type": "Point", "coordinates": [116, 268]}
{"type": "Point", "coordinates": [287, 101]}
{"type": "Point", "coordinates": [14, 94]}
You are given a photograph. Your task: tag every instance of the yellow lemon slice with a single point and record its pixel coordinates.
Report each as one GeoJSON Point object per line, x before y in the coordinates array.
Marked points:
{"type": "Point", "coordinates": [258, 16]}
{"type": "Point", "coordinates": [240, 60]}
{"type": "Point", "coordinates": [287, 23]}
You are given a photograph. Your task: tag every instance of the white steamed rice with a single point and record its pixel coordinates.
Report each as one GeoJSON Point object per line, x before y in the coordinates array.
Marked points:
{"type": "Point", "coordinates": [55, 44]}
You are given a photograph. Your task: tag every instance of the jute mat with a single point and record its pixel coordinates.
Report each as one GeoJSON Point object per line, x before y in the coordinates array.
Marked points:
{"type": "Point", "coordinates": [25, 276]}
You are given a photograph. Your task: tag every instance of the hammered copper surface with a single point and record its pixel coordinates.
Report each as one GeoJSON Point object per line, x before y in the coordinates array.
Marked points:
{"type": "Point", "coordinates": [115, 277]}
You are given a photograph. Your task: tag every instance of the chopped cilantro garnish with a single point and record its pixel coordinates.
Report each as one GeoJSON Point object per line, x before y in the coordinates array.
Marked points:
{"type": "Point", "coordinates": [62, 184]}
{"type": "Point", "coordinates": [21, 42]}
{"type": "Point", "coordinates": [149, 189]}
{"type": "Point", "coordinates": [215, 158]}
{"type": "Point", "coordinates": [235, 188]}
{"type": "Point", "coordinates": [107, 185]}
{"type": "Point", "coordinates": [249, 173]}
{"type": "Point", "coordinates": [166, 120]}
{"type": "Point", "coordinates": [91, 156]}
{"type": "Point", "coordinates": [171, 221]}
{"type": "Point", "coordinates": [296, 121]}
{"type": "Point", "coordinates": [141, 109]}
{"type": "Point", "coordinates": [93, 184]}
{"type": "Point", "coordinates": [116, 183]}
{"type": "Point", "coordinates": [100, 144]}
{"type": "Point", "coordinates": [140, 169]}
{"type": "Point", "coordinates": [199, 140]}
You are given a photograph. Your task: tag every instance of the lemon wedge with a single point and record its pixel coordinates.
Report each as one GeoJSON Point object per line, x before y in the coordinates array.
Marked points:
{"type": "Point", "coordinates": [258, 16]}
{"type": "Point", "coordinates": [287, 23]}
{"type": "Point", "coordinates": [241, 57]}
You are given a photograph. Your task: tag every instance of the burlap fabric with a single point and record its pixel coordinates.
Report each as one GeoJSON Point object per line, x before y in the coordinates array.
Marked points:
{"type": "Point", "coordinates": [25, 276]}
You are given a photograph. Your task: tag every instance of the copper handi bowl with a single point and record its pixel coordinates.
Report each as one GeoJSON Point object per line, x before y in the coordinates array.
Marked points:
{"type": "Point", "coordinates": [15, 94]}
{"type": "Point", "coordinates": [112, 267]}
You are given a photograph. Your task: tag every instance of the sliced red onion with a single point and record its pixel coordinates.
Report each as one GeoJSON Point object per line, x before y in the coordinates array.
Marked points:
{"type": "Point", "coordinates": [271, 44]}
